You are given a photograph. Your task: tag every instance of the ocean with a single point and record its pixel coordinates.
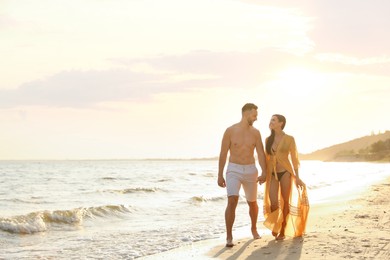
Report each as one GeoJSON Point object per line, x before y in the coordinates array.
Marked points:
{"type": "Point", "coordinates": [126, 209]}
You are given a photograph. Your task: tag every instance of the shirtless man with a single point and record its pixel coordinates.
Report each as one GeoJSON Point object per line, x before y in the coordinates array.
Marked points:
{"type": "Point", "coordinates": [241, 140]}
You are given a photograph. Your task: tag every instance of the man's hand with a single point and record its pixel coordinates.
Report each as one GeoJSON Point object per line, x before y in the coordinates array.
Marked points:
{"type": "Point", "coordinates": [221, 182]}
{"type": "Point", "coordinates": [261, 179]}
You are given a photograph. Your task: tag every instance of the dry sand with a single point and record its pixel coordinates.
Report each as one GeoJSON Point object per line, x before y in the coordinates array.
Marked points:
{"type": "Point", "coordinates": [353, 228]}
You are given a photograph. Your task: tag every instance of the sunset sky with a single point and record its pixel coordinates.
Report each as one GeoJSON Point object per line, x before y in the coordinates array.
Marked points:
{"type": "Point", "coordinates": [120, 79]}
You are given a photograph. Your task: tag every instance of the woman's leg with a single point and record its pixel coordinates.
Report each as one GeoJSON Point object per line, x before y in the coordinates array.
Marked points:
{"type": "Point", "coordinates": [285, 186]}
{"type": "Point", "coordinates": [274, 197]}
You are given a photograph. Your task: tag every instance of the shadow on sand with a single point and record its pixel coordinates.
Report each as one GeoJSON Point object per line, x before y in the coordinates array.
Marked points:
{"type": "Point", "coordinates": [237, 254]}
{"type": "Point", "coordinates": [290, 249]}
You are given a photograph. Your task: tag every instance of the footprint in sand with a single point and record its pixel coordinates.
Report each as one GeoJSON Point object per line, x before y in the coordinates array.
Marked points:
{"type": "Point", "coordinates": [362, 216]}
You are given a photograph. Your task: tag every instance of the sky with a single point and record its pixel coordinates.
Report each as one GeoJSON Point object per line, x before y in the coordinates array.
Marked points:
{"type": "Point", "coordinates": [133, 79]}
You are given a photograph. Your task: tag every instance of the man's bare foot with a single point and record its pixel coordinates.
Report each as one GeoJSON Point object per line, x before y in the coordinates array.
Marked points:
{"type": "Point", "coordinates": [255, 234]}
{"type": "Point", "coordinates": [274, 234]}
{"type": "Point", "coordinates": [280, 237]}
{"type": "Point", "coordinates": [229, 243]}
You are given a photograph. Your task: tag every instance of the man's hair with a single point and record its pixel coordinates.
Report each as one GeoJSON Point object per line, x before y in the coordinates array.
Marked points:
{"type": "Point", "coordinates": [248, 107]}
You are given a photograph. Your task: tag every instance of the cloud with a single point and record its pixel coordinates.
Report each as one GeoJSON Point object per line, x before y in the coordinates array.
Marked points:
{"type": "Point", "coordinates": [86, 88]}
{"type": "Point", "coordinates": [344, 59]}
{"type": "Point", "coordinates": [79, 88]}
{"type": "Point", "coordinates": [141, 79]}
{"type": "Point", "coordinates": [7, 22]}
{"type": "Point", "coordinates": [351, 27]}
{"type": "Point", "coordinates": [354, 28]}
{"type": "Point", "coordinates": [232, 69]}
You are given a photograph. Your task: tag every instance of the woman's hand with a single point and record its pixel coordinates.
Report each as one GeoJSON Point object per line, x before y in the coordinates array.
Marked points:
{"type": "Point", "coordinates": [300, 184]}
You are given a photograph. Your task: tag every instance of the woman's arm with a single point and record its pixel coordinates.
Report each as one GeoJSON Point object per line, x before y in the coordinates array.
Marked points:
{"type": "Point", "coordinates": [294, 157]}
{"type": "Point", "coordinates": [295, 162]}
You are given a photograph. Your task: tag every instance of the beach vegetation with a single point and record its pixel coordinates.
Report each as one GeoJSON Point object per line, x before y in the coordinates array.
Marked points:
{"type": "Point", "coordinates": [370, 148]}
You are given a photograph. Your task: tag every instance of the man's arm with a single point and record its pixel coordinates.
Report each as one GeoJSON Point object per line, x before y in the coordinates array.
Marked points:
{"type": "Point", "coordinates": [222, 157]}
{"type": "Point", "coordinates": [261, 158]}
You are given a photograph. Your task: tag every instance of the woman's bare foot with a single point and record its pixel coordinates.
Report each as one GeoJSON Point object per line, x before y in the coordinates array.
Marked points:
{"type": "Point", "coordinates": [255, 234]}
{"type": "Point", "coordinates": [274, 234]}
{"type": "Point", "coordinates": [281, 234]}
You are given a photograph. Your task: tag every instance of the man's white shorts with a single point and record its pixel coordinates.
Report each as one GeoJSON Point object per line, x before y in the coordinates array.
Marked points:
{"type": "Point", "coordinates": [245, 175]}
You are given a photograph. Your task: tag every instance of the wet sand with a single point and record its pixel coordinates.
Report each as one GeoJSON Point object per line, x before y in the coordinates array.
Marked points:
{"type": "Point", "coordinates": [356, 227]}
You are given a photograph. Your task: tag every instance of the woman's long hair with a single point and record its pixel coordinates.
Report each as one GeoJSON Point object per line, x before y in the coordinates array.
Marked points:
{"type": "Point", "coordinates": [271, 138]}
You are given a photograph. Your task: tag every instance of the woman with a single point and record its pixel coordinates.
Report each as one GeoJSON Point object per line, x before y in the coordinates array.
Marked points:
{"type": "Point", "coordinates": [285, 207]}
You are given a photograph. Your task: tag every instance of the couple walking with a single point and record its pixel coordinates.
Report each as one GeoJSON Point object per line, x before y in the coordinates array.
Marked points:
{"type": "Point", "coordinates": [285, 214]}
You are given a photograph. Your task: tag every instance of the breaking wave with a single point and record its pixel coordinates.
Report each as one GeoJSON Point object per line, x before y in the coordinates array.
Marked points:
{"type": "Point", "coordinates": [134, 190]}
{"type": "Point", "coordinates": [41, 221]}
{"type": "Point", "coordinates": [199, 199]}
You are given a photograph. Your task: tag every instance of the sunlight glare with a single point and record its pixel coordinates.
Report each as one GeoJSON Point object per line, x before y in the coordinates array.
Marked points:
{"type": "Point", "coordinates": [299, 81]}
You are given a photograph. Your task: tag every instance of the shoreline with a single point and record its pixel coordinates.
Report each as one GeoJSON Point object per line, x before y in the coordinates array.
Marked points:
{"type": "Point", "coordinates": [357, 226]}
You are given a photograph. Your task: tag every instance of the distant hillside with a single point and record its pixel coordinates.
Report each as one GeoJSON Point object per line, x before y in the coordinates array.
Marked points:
{"type": "Point", "coordinates": [347, 151]}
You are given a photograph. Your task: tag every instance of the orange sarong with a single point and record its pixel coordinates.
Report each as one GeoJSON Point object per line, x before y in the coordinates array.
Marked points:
{"type": "Point", "coordinates": [298, 204]}
{"type": "Point", "coordinates": [297, 217]}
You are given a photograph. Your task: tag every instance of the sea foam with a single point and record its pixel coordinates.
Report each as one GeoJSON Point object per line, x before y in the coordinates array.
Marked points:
{"type": "Point", "coordinates": [42, 221]}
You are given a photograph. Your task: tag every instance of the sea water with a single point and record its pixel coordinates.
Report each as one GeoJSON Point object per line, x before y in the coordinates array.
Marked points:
{"type": "Point", "coordinates": [125, 209]}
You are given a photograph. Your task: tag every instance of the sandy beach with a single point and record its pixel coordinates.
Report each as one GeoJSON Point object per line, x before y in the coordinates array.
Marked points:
{"type": "Point", "coordinates": [357, 227]}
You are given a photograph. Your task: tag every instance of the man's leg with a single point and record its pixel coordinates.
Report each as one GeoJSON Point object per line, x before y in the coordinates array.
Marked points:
{"type": "Point", "coordinates": [230, 214]}
{"type": "Point", "coordinates": [253, 213]}
{"type": "Point", "coordinates": [250, 188]}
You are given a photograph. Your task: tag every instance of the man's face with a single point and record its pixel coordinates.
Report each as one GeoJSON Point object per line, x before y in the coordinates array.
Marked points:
{"type": "Point", "coordinates": [252, 116]}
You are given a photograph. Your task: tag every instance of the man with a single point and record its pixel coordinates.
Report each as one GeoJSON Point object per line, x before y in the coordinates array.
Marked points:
{"type": "Point", "coordinates": [241, 140]}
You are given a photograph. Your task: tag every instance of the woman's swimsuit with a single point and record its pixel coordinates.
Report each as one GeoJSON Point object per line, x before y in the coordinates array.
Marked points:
{"type": "Point", "coordinates": [280, 174]}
